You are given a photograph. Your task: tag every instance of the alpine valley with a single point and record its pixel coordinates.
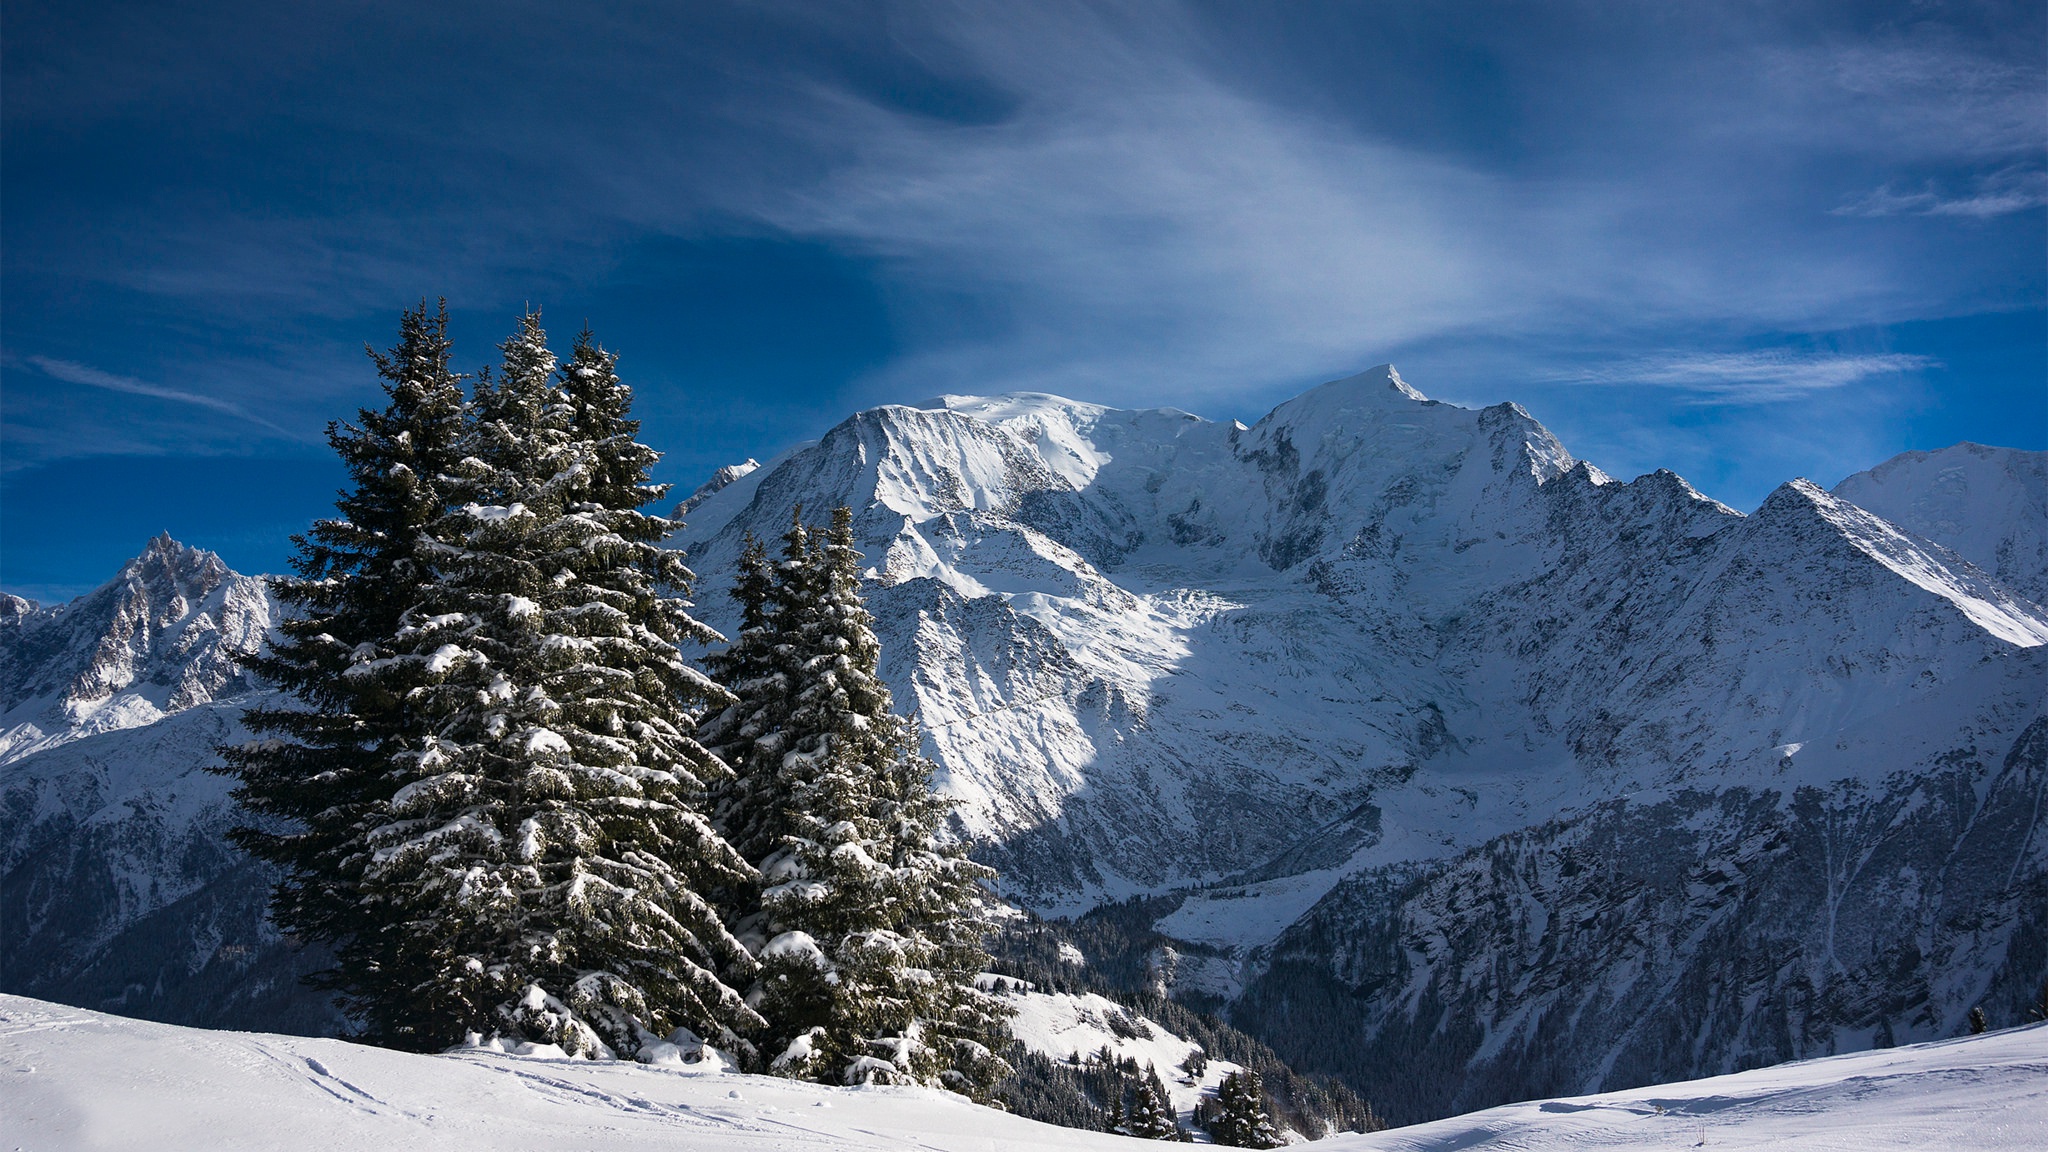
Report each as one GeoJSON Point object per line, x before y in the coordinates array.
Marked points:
{"type": "Point", "coordinates": [1429, 755]}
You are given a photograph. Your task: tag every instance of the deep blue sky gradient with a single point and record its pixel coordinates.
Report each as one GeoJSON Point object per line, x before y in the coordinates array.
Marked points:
{"type": "Point", "coordinates": [1744, 241]}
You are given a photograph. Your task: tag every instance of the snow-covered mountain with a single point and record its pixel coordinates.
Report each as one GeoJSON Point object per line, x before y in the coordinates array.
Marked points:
{"type": "Point", "coordinates": [1533, 779]}
{"type": "Point", "coordinates": [165, 634]}
{"type": "Point", "coordinates": [1461, 768]}
{"type": "Point", "coordinates": [117, 886]}
{"type": "Point", "coordinates": [80, 1080]}
{"type": "Point", "coordinates": [1988, 504]}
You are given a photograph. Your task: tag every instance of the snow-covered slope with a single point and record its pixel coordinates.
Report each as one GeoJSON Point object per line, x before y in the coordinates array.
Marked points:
{"type": "Point", "coordinates": [79, 1080]}
{"type": "Point", "coordinates": [1983, 1093]}
{"type": "Point", "coordinates": [1989, 505]}
{"type": "Point", "coordinates": [1074, 1028]}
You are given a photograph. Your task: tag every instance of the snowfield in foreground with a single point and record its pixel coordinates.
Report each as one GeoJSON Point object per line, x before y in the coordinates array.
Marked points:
{"type": "Point", "coordinates": [70, 1078]}
{"type": "Point", "coordinates": [1985, 1092]}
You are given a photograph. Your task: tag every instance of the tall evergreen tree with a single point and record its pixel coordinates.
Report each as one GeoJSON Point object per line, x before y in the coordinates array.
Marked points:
{"type": "Point", "coordinates": [325, 775]}
{"type": "Point", "coordinates": [548, 856]}
{"type": "Point", "coordinates": [1244, 1121]}
{"type": "Point", "coordinates": [872, 923]}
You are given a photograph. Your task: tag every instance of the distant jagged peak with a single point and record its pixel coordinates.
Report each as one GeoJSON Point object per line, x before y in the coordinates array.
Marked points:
{"type": "Point", "coordinates": [720, 480]}
{"type": "Point", "coordinates": [169, 631]}
{"type": "Point", "coordinates": [166, 558]}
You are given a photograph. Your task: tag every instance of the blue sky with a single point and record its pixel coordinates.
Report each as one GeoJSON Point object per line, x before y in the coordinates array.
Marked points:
{"type": "Point", "coordinates": [1743, 241]}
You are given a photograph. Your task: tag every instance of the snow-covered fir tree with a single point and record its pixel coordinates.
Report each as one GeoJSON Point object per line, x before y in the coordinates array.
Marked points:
{"type": "Point", "coordinates": [552, 838]}
{"type": "Point", "coordinates": [1243, 1120]}
{"type": "Point", "coordinates": [1151, 1114]}
{"type": "Point", "coordinates": [324, 776]}
{"type": "Point", "coordinates": [760, 667]}
{"type": "Point", "coordinates": [536, 862]}
{"type": "Point", "coordinates": [871, 923]}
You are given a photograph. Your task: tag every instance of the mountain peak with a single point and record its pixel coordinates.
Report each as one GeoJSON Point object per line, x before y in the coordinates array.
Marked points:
{"type": "Point", "coordinates": [1988, 504]}
{"type": "Point", "coordinates": [170, 630]}
{"type": "Point", "coordinates": [720, 480]}
{"type": "Point", "coordinates": [1382, 382]}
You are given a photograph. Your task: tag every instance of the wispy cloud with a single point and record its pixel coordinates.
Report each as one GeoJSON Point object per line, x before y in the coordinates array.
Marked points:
{"type": "Point", "coordinates": [1759, 377]}
{"type": "Point", "coordinates": [74, 373]}
{"type": "Point", "coordinates": [1146, 223]}
{"type": "Point", "coordinates": [1159, 228]}
{"type": "Point", "coordinates": [1998, 194]}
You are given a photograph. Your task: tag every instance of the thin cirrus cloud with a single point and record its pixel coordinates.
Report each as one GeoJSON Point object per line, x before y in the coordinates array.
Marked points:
{"type": "Point", "coordinates": [1760, 377]}
{"type": "Point", "coordinates": [1144, 223]}
{"type": "Point", "coordinates": [1190, 236]}
{"type": "Point", "coordinates": [1999, 194]}
{"type": "Point", "coordinates": [74, 373]}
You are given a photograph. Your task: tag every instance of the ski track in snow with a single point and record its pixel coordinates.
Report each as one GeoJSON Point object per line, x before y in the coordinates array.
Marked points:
{"type": "Point", "coordinates": [74, 1079]}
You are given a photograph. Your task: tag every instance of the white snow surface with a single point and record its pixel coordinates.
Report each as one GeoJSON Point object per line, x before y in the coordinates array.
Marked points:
{"type": "Point", "coordinates": [1072, 1028]}
{"type": "Point", "coordinates": [76, 1079]}
{"type": "Point", "coordinates": [1983, 1093]}
{"type": "Point", "coordinates": [1989, 505]}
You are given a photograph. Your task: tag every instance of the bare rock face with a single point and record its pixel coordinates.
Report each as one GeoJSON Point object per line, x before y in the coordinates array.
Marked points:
{"type": "Point", "coordinates": [168, 633]}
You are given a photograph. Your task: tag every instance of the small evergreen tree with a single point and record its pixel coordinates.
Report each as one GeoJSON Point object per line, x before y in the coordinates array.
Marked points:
{"type": "Point", "coordinates": [1151, 1116]}
{"type": "Point", "coordinates": [1243, 1120]}
{"type": "Point", "coordinates": [325, 775]}
{"type": "Point", "coordinates": [872, 924]}
{"type": "Point", "coordinates": [759, 669]}
{"type": "Point", "coordinates": [1978, 1022]}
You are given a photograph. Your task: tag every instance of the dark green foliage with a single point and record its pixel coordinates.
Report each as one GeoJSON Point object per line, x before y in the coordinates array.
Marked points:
{"type": "Point", "coordinates": [321, 783]}
{"type": "Point", "coordinates": [1978, 1022]}
{"type": "Point", "coordinates": [495, 764]}
{"type": "Point", "coordinates": [1240, 1116]}
{"type": "Point", "coordinates": [548, 849]}
{"type": "Point", "coordinates": [748, 734]}
{"type": "Point", "coordinates": [871, 924]}
{"type": "Point", "coordinates": [1150, 1116]}
{"type": "Point", "coordinates": [1071, 1095]}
